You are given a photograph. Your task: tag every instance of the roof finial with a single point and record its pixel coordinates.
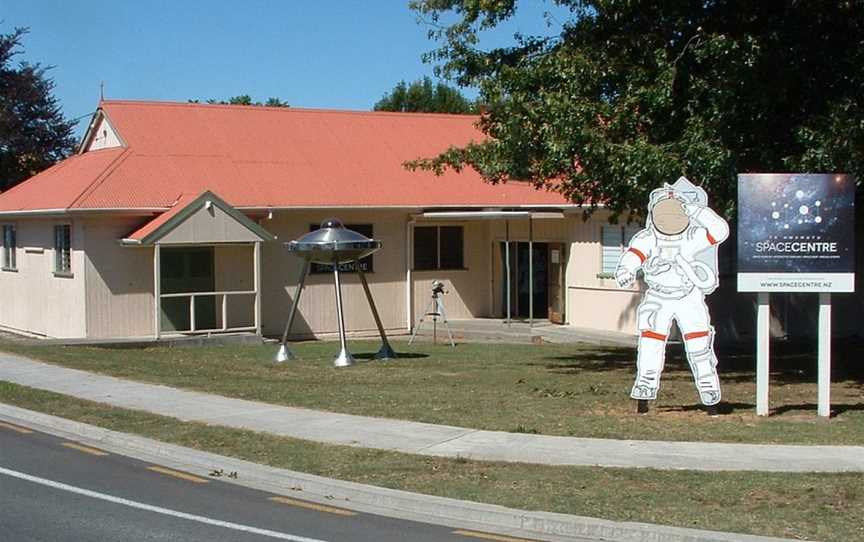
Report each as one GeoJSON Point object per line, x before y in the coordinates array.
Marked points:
{"type": "Point", "coordinates": [101, 91]}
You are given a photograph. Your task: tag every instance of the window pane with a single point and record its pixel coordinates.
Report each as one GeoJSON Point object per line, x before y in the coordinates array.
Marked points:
{"type": "Point", "coordinates": [425, 247]}
{"type": "Point", "coordinates": [451, 247]}
{"type": "Point", "coordinates": [67, 248]}
{"type": "Point", "coordinates": [62, 252]}
{"type": "Point", "coordinates": [611, 240]}
{"type": "Point", "coordinates": [9, 247]}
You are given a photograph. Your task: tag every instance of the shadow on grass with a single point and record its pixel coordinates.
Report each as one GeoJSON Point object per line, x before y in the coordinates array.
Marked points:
{"type": "Point", "coordinates": [723, 409]}
{"type": "Point", "coordinates": [399, 355]}
{"type": "Point", "coordinates": [836, 409]}
{"type": "Point", "coordinates": [609, 359]}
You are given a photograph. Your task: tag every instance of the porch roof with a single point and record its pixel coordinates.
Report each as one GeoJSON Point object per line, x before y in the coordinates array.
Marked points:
{"type": "Point", "coordinates": [195, 220]}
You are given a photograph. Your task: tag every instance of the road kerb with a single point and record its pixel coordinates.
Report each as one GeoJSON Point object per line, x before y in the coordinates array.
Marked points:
{"type": "Point", "coordinates": [466, 515]}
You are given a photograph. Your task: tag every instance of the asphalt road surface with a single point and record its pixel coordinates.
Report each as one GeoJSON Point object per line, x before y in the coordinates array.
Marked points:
{"type": "Point", "coordinates": [57, 490]}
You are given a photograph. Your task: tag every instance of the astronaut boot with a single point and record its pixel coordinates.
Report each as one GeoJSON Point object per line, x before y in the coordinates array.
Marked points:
{"type": "Point", "coordinates": [649, 363]}
{"type": "Point", "coordinates": [703, 363]}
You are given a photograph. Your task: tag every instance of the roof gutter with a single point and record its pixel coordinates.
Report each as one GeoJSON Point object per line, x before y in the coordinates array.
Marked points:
{"type": "Point", "coordinates": [551, 206]}
{"type": "Point", "coordinates": [63, 212]}
{"type": "Point", "coordinates": [487, 215]}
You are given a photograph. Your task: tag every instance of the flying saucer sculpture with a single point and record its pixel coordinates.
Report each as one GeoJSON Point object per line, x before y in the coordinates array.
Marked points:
{"type": "Point", "coordinates": [334, 244]}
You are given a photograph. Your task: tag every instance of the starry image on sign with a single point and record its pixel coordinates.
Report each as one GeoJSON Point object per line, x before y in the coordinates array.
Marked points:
{"type": "Point", "coordinates": [796, 223]}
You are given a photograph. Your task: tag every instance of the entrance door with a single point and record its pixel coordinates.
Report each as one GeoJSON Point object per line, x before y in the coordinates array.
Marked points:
{"type": "Point", "coordinates": [556, 283]}
{"type": "Point", "coordinates": [541, 280]}
{"type": "Point", "coordinates": [186, 270]}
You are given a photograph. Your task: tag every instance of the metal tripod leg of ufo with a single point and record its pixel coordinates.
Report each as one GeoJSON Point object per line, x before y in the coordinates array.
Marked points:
{"type": "Point", "coordinates": [344, 359]}
{"type": "Point", "coordinates": [283, 354]}
{"type": "Point", "coordinates": [385, 352]}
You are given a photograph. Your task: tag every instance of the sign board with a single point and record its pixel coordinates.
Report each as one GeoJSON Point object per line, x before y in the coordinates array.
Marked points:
{"type": "Point", "coordinates": [796, 233]}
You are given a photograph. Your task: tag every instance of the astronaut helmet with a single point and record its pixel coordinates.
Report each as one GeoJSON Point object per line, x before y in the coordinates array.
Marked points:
{"type": "Point", "coordinates": [666, 212]}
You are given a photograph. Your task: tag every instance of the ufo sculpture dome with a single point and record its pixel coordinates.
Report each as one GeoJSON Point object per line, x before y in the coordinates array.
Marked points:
{"type": "Point", "coordinates": [333, 243]}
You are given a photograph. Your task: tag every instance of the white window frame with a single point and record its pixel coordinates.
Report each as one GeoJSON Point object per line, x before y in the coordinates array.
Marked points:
{"type": "Point", "coordinates": [59, 271]}
{"type": "Point", "coordinates": [610, 252]}
{"type": "Point", "coordinates": [10, 254]}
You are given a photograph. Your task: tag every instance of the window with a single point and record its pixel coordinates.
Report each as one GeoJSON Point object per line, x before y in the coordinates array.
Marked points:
{"type": "Point", "coordinates": [366, 264]}
{"type": "Point", "coordinates": [438, 247]}
{"type": "Point", "coordinates": [9, 245]}
{"type": "Point", "coordinates": [614, 240]}
{"type": "Point", "coordinates": [62, 249]}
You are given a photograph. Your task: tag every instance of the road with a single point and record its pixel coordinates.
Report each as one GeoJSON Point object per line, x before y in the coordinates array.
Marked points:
{"type": "Point", "coordinates": [57, 490]}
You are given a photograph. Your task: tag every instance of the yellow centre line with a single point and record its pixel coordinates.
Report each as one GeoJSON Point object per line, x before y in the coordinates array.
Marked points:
{"type": "Point", "coordinates": [85, 449]}
{"type": "Point", "coordinates": [15, 428]}
{"type": "Point", "coordinates": [178, 474]}
{"type": "Point", "coordinates": [489, 536]}
{"type": "Point", "coordinates": [314, 506]}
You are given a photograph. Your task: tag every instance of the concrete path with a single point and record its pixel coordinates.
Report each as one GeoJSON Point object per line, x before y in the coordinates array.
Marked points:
{"type": "Point", "coordinates": [422, 438]}
{"type": "Point", "coordinates": [519, 331]}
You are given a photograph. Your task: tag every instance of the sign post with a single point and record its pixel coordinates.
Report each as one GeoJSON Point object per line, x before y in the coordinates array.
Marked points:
{"type": "Point", "coordinates": [796, 233]}
{"type": "Point", "coordinates": [824, 379]}
{"type": "Point", "coordinates": [763, 345]}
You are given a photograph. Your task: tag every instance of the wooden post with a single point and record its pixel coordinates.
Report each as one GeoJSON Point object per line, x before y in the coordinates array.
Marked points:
{"type": "Point", "coordinates": [530, 271]}
{"type": "Point", "coordinates": [763, 336]}
{"type": "Point", "coordinates": [157, 293]}
{"type": "Point", "coordinates": [256, 272]}
{"type": "Point", "coordinates": [824, 380]}
{"type": "Point", "coordinates": [507, 264]}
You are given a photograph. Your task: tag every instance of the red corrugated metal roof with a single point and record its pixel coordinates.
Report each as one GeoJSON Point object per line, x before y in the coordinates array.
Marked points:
{"type": "Point", "coordinates": [60, 185]}
{"type": "Point", "coordinates": [182, 202]}
{"type": "Point", "coordinates": [270, 157]}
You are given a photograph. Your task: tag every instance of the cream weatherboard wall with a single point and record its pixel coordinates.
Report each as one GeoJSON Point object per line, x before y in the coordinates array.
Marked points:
{"type": "Point", "coordinates": [119, 279]}
{"type": "Point", "coordinates": [39, 301]}
{"type": "Point", "coordinates": [103, 135]}
{"type": "Point", "coordinates": [594, 302]}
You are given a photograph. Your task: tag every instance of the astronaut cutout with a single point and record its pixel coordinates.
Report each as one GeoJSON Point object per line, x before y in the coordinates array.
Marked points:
{"type": "Point", "coordinates": [677, 253]}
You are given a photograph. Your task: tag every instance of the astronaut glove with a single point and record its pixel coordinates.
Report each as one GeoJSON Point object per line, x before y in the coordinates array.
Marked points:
{"type": "Point", "coordinates": [692, 209]}
{"type": "Point", "coordinates": [624, 278]}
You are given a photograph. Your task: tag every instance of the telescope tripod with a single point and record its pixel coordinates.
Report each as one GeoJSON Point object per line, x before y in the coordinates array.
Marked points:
{"type": "Point", "coordinates": [435, 309]}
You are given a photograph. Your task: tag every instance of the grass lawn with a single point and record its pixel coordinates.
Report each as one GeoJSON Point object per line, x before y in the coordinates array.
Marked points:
{"type": "Point", "coordinates": [576, 390]}
{"type": "Point", "coordinates": [826, 507]}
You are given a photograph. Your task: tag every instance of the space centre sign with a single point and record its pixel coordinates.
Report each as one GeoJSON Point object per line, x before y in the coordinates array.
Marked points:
{"type": "Point", "coordinates": [796, 233]}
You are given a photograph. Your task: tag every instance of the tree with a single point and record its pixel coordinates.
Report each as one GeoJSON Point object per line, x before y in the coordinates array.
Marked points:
{"type": "Point", "coordinates": [33, 132]}
{"type": "Point", "coordinates": [626, 95]}
{"type": "Point", "coordinates": [245, 99]}
{"type": "Point", "coordinates": [422, 96]}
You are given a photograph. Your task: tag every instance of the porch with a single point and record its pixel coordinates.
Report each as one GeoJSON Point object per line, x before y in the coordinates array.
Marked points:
{"type": "Point", "coordinates": [499, 264]}
{"type": "Point", "coordinates": [206, 268]}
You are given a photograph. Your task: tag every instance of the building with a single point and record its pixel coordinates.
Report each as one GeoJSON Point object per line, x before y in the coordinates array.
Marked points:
{"type": "Point", "coordinates": [171, 218]}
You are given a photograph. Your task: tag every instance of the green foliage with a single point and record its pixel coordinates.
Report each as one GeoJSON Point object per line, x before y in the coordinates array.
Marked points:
{"type": "Point", "coordinates": [245, 99]}
{"type": "Point", "coordinates": [33, 132]}
{"type": "Point", "coordinates": [625, 95]}
{"type": "Point", "coordinates": [422, 96]}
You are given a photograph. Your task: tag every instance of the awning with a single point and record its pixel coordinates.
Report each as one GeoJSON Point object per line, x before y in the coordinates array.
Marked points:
{"type": "Point", "coordinates": [489, 215]}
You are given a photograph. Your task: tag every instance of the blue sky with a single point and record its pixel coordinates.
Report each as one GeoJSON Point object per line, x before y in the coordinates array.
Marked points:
{"type": "Point", "coordinates": [338, 54]}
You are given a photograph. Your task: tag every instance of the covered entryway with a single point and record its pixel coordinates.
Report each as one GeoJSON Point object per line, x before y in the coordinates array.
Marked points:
{"type": "Point", "coordinates": [537, 275]}
{"type": "Point", "coordinates": [206, 267]}
{"type": "Point", "coordinates": [525, 274]}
